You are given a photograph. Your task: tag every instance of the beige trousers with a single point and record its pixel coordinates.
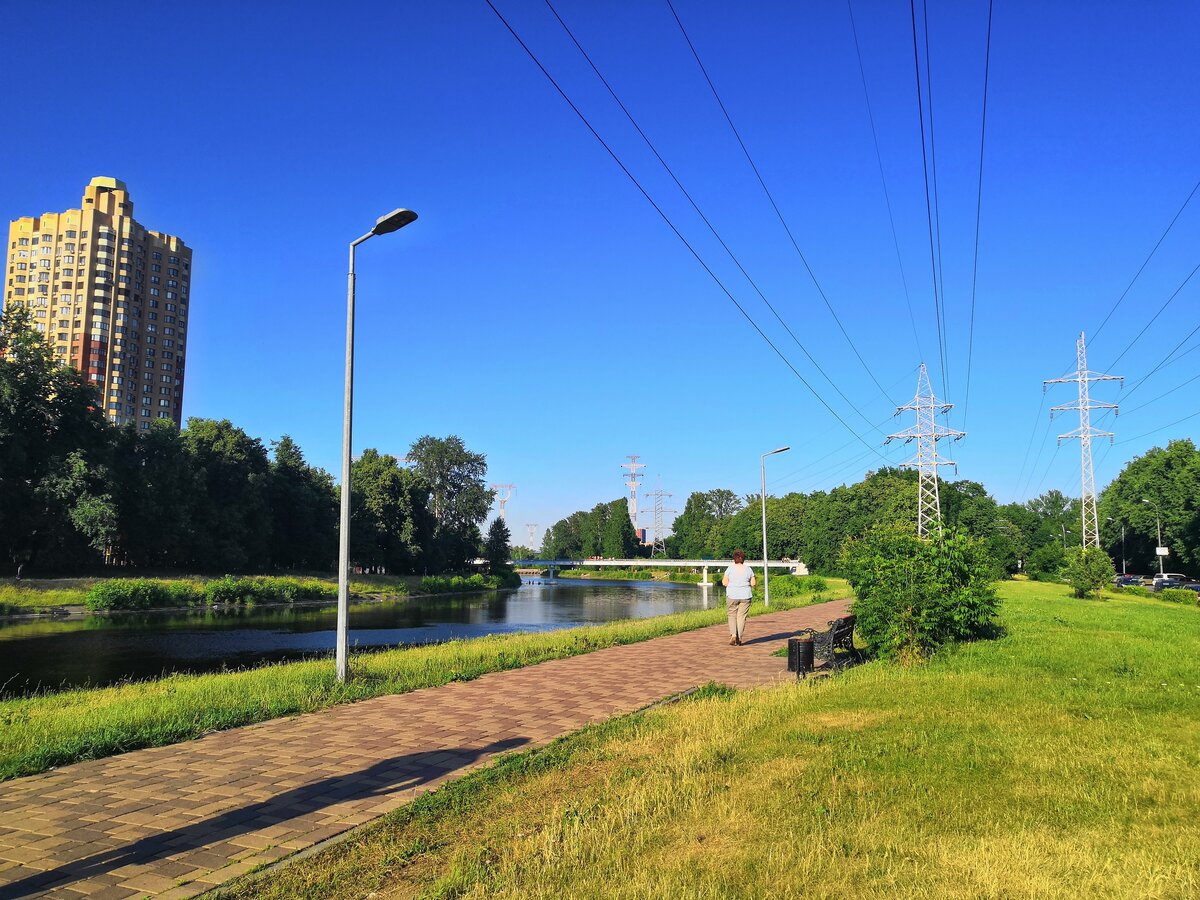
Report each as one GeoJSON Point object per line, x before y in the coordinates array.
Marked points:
{"type": "Point", "coordinates": [737, 611]}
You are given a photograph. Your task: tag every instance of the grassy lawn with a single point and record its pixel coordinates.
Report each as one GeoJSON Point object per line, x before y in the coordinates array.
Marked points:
{"type": "Point", "coordinates": [37, 733]}
{"type": "Point", "coordinates": [1060, 760]}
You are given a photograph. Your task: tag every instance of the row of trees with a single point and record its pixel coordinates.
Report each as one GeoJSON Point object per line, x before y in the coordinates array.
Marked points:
{"type": "Point", "coordinates": [1030, 536]}
{"type": "Point", "coordinates": [604, 530]}
{"type": "Point", "coordinates": [77, 492]}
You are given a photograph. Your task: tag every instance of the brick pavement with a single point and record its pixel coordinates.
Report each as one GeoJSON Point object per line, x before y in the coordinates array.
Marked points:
{"type": "Point", "coordinates": [177, 821]}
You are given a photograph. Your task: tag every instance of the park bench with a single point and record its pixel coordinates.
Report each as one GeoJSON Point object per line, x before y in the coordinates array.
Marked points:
{"type": "Point", "coordinates": [838, 636]}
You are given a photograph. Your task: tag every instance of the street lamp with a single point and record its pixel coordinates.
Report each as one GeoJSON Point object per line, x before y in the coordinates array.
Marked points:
{"type": "Point", "coordinates": [1158, 521]}
{"type": "Point", "coordinates": [763, 468]}
{"type": "Point", "coordinates": [393, 221]}
{"type": "Point", "coordinates": [1123, 570]}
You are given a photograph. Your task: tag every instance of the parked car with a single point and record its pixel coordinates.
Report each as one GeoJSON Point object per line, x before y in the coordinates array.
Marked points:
{"type": "Point", "coordinates": [1127, 580]}
{"type": "Point", "coordinates": [1169, 580]}
{"type": "Point", "coordinates": [1192, 586]}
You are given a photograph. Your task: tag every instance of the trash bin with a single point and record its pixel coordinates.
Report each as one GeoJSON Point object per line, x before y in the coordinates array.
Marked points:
{"type": "Point", "coordinates": [800, 655]}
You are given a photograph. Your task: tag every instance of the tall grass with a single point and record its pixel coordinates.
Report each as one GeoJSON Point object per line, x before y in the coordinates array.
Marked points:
{"type": "Point", "coordinates": [39, 732]}
{"type": "Point", "coordinates": [1059, 760]}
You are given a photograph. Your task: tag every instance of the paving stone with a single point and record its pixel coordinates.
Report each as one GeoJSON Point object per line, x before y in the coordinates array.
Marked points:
{"type": "Point", "coordinates": [214, 808]}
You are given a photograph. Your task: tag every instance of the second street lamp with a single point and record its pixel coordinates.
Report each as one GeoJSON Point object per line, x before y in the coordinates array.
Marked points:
{"type": "Point", "coordinates": [1158, 521]}
{"type": "Point", "coordinates": [762, 461]}
{"type": "Point", "coordinates": [393, 221]}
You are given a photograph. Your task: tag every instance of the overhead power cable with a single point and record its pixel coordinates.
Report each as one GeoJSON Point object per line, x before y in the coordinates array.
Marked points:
{"type": "Point", "coordinates": [937, 214]}
{"type": "Point", "coordinates": [887, 199]}
{"type": "Point", "coordinates": [987, 64]}
{"type": "Point", "coordinates": [712, 228]}
{"type": "Point", "coordinates": [1160, 428]}
{"type": "Point", "coordinates": [691, 249]}
{"type": "Point", "coordinates": [1146, 261]}
{"type": "Point", "coordinates": [771, 198]}
{"type": "Point", "coordinates": [1154, 318]}
{"type": "Point", "coordinates": [937, 305]}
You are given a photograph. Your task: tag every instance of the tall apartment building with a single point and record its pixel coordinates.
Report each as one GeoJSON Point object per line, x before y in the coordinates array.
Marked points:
{"type": "Point", "coordinates": [110, 297]}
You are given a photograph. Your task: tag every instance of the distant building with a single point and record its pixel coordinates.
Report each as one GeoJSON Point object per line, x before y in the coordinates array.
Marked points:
{"type": "Point", "coordinates": [110, 297]}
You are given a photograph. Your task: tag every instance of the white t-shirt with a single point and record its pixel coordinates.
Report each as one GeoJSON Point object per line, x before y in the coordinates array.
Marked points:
{"type": "Point", "coordinates": [739, 577]}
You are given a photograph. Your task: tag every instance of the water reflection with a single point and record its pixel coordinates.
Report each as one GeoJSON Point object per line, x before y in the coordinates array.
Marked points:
{"type": "Point", "coordinates": [52, 654]}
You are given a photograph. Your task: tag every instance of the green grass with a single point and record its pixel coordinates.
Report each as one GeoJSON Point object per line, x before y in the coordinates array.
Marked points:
{"type": "Point", "coordinates": [37, 733]}
{"type": "Point", "coordinates": [1058, 760]}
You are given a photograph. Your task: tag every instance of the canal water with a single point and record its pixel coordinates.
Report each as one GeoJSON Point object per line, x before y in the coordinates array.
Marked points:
{"type": "Point", "coordinates": [53, 654]}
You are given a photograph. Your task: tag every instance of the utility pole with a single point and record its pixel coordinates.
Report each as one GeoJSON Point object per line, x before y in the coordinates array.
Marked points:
{"type": "Point", "coordinates": [659, 545]}
{"type": "Point", "coordinates": [502, 499]}
{"type": "Point", "coordinates": [1084, 434]}
{"type": "Point", "coordinates": [926, 433]}
{"type": "Point", "coordinates": [631, 481]}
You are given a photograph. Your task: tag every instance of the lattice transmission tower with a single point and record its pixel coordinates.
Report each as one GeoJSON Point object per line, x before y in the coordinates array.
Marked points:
{"type": "Point", "coordinates": [631, 481]}
{"type": "Point", "coordinates": [659, 541]}
{"type": "Point", "coordinates": [501, 499]}
{"type": "Point", "coordinates": [927, 432]}
{"type": "Point", "coordinates": [532, 528]}
{"type": "Point", "coordinates": [1084, 433]}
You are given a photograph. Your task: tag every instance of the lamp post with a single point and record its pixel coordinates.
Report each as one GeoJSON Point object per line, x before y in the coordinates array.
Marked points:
{"type": "Point", "coordinates": [1158, 521]}
{"type": "Point", "coordinates": [762, 460]}
{"type": "Point", "coordinates": [393, 221]}
{"type": "Point", "coordinates": [1123, 570]}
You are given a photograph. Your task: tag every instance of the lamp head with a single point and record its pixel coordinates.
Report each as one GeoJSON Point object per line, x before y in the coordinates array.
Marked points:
{"type": "Point", "coordinates": [780, 450]}
{"type": "Point", "coordinates": [394, 221]}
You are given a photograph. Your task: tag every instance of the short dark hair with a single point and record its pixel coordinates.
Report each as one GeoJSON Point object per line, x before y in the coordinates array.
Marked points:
{"type": "Point", "coordinates": [739, 556]}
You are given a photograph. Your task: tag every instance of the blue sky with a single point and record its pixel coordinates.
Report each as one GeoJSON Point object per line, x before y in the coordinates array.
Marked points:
{"type": "Point", "coordinates": [542, 310]}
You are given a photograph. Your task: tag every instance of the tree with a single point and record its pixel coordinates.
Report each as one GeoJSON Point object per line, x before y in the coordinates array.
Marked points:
{"type": "Point", "coordinates": [48, 412]}
{"type": "Point", "coordinates": [232, 517]}
{"type": "Point", "coordinates": [495, 548]}
{"type": "Point", "coordinates": [458, 497]}
{"type": "Point", "coordinates": [1088, 570]}
{"type": "Point", "coordinates": [389, 525]}
{"type": "Point", "coordinates": [304, 510]}
{"type": "Point", "coordinates": [619, 538]}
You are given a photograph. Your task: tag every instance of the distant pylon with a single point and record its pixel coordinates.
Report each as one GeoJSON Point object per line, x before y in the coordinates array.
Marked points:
{"type": "Point", "coordinates": [502, 499]}
{"type": "Point", "coordinates": [1090, 529]}
{"type": "Point", "coordinates": [532, 526]}
{"type": "Point", "coordinates": [926, 433]}
{"type": "Point", "coordinates": [658, 545]}
{"type": "Point", "coordinates": [631, 481]}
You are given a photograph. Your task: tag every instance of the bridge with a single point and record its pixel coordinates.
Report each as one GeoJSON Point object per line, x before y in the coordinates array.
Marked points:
{"type": "Point", "coordinates": [793, 566]}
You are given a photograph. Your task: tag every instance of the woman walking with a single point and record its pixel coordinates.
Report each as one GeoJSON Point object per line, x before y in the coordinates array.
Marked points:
{"type": "Point", "coordinates": [739, 580]}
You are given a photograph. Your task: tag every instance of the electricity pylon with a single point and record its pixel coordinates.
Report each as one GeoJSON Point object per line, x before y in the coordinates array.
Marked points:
{"type": "Point", "coordinates": [631, 481]}
{"type": "Point", "coordinates": [501, 500]}
{"type": "Point", "coordinates": [926, 433]}
{"type": "Point", "coordinates": [658, 546]}
{"type": "Point", "coordinates": [532, 526]}
{"type": "Point", "coordinates": [1084, 433]}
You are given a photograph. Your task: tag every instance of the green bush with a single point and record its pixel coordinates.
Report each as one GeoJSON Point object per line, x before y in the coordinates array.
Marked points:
{"type": "Point", "coordinates": [1136, 590]}
{"type": "Point", "coordinates": [1046, 562]}
{"type": "Point", "coordinates": [1088, 570]}
{"type": "Point", "coordinates": [796, 585]}
{"type": "Point", "coordinates": [1178, 595]}
{"type": "Point", "coordinates": [913, 594]}
{"type": "Point", "coordinates": [141, 593]}
{"type": "Point", "coordinates": [233, 590]}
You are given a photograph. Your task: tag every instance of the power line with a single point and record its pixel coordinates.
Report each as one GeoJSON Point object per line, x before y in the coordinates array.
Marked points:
{"type": "Point", "coordinates": [883, 179]}
{"type": "Point", "coordinates": [737, 262]}
{"type": "Point", "coordinates": [1160, 428]}
{"type": "Point", "coordinates": [937, 215]}
{"type": "Point", "coordinates": [1146, 261]}
{"type": "Point", "coordinates": [937, 309]}
{"type": "Point", "coordinates": [1154, 318]}
{"type": "Point", "coordinates": [771, 198]}
{"type": "Point", "coordinates": [672, 226]}
{"type": "Point", "coordinates": [987, 64]}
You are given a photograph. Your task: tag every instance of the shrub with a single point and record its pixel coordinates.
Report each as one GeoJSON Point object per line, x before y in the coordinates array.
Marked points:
{"type": "Point", "coordinates": [1088, 570]}
{"type": "Point", "coordinates": [1178, 595]}
{"type": "Point", "coordinates": [1136, 590]}
{"type": "Point", "coordinates": [795, 585]}
{"type": "Point", "coordinates": [1046, 562]}
{"type": "Point", "coordinates": [914, 594]}
{"type": "Point", "coordinates": [141, 593]}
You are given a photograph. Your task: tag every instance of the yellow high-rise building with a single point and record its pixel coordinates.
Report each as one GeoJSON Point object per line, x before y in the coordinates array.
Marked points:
{"type": "Point", "coordinates": [110, 297]}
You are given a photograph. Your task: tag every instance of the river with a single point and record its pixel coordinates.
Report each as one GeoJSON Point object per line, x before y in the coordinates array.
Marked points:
{"type": "Point", "coordinates": [53, 654]}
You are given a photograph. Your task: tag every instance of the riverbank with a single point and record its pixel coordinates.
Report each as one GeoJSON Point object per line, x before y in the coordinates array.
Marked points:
{"type": "Point", "coordinates": [56, 597]}
{"type": "Point", "coordinates": [1057, 760]}
{"type": "Point", "coordinates": [40, 732]}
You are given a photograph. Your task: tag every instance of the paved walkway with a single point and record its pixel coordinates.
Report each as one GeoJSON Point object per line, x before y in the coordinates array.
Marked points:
{"type": "Point", "coordinates": [177, 821]}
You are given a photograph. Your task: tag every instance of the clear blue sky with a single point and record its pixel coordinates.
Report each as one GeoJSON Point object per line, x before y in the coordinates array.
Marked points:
{"type": "Point", "coordinates": [542, 310]}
